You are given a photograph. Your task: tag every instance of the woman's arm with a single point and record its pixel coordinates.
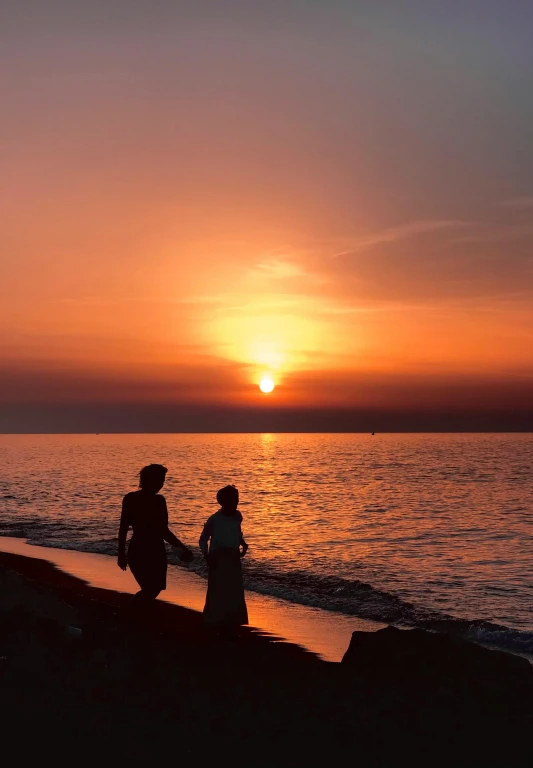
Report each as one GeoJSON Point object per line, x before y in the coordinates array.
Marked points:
{"type": "Point", "coordinates": [173, 540]}
{"type": "Point", "coordinates": [122, 534]}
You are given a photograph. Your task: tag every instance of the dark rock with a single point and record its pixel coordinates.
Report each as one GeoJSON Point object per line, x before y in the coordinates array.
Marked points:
{"type": "Point", "coordinates": [451, 671]}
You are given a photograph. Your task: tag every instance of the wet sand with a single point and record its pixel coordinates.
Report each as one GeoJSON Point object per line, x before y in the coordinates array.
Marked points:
{"type": "Point", "coordinates": [322, 632]}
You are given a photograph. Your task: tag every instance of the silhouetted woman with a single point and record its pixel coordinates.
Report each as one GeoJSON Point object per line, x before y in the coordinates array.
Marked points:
{"type": "Point", "coordinates": [146, 512]}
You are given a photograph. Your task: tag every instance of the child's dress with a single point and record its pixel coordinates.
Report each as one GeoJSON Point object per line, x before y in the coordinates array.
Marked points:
{"type": "Point", "coordinates": [225, 604]}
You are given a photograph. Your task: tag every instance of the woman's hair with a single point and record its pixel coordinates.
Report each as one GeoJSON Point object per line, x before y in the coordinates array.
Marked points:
{"type": "Point", "coordinates": [227, 496]}
{"type": "Point", "coordinates": [152, 475]}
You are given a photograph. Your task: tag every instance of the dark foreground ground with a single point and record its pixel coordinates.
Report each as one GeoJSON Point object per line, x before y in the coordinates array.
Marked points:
{"type": "Point", "coordinates": [136, 691]}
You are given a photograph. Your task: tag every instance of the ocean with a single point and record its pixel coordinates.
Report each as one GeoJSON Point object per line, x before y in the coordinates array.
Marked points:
{"type": "Point", "coordinates": [419, 530]}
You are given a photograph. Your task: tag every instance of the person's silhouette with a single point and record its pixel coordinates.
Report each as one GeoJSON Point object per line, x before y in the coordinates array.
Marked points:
{"type": "Point", "coordinates": [221, 542]}
{"type": "Point", "coordinates": [146, 512]}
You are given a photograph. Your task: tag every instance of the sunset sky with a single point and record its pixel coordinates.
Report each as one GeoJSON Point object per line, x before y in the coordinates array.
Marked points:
{"type": "Point", "coordinates": [194, 195]}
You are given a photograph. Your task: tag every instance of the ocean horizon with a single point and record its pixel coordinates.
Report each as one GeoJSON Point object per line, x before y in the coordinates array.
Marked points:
{"type": "Point", "coordinates": [282, 432]}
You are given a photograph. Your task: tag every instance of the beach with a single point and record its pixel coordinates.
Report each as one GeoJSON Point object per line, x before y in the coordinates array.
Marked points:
{"type": "Point", "coordinates": [324, 633]}
{"type": "Point", "coordinates": [81, 674]}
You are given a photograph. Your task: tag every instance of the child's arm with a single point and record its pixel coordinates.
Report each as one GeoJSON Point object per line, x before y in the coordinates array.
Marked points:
{"type": "Point", "coordinates": [206, 535]}
{"type": "Point", "coordinates": [122, 561]}
{"type": "Point", "coordinates": [243, 544]}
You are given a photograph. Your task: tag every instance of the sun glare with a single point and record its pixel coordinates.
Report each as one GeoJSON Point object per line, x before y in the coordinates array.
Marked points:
{"type": "Point", "coordinates": [266, 385]}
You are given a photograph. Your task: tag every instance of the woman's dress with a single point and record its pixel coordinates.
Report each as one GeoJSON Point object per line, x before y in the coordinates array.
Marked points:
{"type": "Point", "coordinates": [147, 514]}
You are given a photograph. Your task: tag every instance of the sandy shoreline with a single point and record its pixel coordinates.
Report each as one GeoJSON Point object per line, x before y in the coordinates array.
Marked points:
{"type": "Point", "coordinates": [108, 604]}
{"type": "Point", "coordinates": [322, 632]}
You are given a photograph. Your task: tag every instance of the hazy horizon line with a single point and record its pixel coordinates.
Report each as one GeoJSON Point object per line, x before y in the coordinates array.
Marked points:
{"type": "Point", "coordinates": [291, 432]}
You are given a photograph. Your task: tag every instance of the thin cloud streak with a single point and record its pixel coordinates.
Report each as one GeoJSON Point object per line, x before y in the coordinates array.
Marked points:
{"type": "Point", "coordinates": [517, 202]}
{"type": "Point", "coordinates": [495, 236]}
{"type": "Point", "coordinates": [402, 232]}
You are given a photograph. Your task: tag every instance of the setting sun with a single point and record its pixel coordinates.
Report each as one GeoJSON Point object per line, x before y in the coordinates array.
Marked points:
{"type": "Point", "coordinates": [266, 385]}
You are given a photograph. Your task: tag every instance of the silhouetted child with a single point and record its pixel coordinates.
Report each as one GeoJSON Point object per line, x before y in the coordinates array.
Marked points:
{"type": "Point", "coordinates": [221, 542]}
{"type": "Point", "coordinates": [146, 512]}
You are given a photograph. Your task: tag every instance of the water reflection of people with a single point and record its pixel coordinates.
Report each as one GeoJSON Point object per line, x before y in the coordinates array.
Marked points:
{"type": "Point", "coordinates": [221, 542]}
{"type": "Point", "coordinates": [146, 512]}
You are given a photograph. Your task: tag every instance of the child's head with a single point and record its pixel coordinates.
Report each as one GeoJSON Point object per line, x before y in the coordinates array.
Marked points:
{"type": "Point", "coordinates": [152, 477]}
{"type": "Point", "coordinates": [228, 497]}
